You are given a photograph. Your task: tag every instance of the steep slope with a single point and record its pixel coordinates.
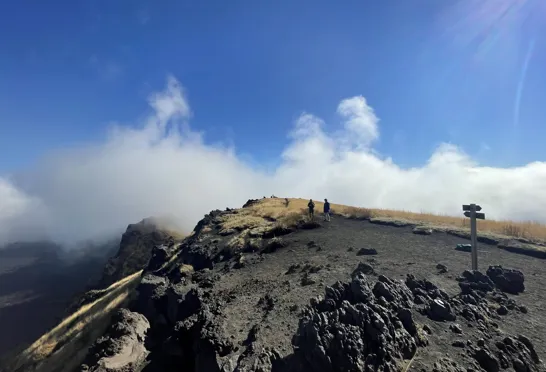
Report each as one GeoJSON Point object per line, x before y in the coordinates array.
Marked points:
{"type": "Point", "coordinates": [88, 313]}
{"type": "Point", "coordinates": [248, 293]}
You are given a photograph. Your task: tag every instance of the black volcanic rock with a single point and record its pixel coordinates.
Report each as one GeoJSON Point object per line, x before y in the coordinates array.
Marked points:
{"type": "Point", "coordinates": [135, 250]}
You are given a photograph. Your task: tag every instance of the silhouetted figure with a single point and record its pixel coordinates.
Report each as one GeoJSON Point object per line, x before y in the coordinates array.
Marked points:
{"type": "Point", "coordinates": [311, 207]}
{"type": "Point", "coordinates": [286, 202]}
{"type": "Point", "coordinates": [326, 210]}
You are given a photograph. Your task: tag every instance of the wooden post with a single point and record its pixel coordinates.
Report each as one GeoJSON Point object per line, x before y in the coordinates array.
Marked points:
{"type": "Point", "coordinates": [474, 236]}
{"type": "Point", "coordinates": [471, 211]}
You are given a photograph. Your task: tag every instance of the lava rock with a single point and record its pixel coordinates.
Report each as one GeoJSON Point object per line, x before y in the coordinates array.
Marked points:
{"type": "Point", "coordinates": [352, 329]}
{"type": "Point", "coordinates": [274, 244]}
{"type": "Point", "coordinates": [293, 269]}
{"type": "Point", "coordinates": [363, 268]}
{"type": "Point", "coordinates": [308, 279]}
{"type": "Point", "coordinates": [475, 281]}
{"type": "Point", "coordinates": [160, 255]}
{"type": "Point", "coordinates": [455, 328]}
{"type": "Point", "coordinates": [458, 343]}
{"type": "Point", "coordinates": [441, 310]}
{"type": "Point", "coordinates": [524, 340]}
{"type": "Point", "coordinates": [487, 360]}
{"type": "Point", "coordinates": [507, 280]}
{"type": "Point", "coordinates": [441, 268]}
{"type": "Point", "coordinates": [502, 310]}
{"type": "Point", "coordinates": [309, 225]}
{"type": "Point", "coordinates": [366, 252]}
{"type": "Point", "coordinates": [122, 347]}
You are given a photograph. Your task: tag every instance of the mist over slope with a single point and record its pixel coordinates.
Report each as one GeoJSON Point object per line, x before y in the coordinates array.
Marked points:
{"type": "Point", "coordinates": [161, 167]}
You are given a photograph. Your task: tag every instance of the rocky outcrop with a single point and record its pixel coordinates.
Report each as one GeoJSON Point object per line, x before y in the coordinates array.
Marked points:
{"type": "Point", "coordinates": [135, 250]}
{"type": "Point", "coordinates": [356, 327]}
{"type": "Point", "coordinates": [122, 348]}
{"type": "Point", "coordinates": [507, 280]}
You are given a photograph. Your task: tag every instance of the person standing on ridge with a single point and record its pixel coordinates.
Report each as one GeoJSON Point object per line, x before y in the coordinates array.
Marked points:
{"type": "Point", "coordinates": [311, 207]}
{"type": "Point", "coordinates": [326, 210]}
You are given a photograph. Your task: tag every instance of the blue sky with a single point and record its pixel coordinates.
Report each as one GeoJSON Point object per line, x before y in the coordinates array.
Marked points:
{"type": "Point", "coordinates": [68, 69]}
{"type": "Point", "coordinates": [112, 111]}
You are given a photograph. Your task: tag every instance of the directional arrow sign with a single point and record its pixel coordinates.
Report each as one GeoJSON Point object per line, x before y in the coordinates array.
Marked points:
{"type": "Point", "coordinates": [466, 207]}
{"type": "Point", "coordinates": [479, 216]}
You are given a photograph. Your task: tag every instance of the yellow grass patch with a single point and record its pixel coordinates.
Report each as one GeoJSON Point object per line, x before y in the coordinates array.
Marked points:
{"type": "Point", "coordinates": [237, 242]}
{"type": "Point", "coordinates": [277, 209]}
{"type": "Point", "coordinates": [185, 269]}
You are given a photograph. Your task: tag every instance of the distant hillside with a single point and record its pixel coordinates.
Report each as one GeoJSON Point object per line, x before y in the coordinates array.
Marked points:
{"type": "Point", "coordinates": [36, 285]}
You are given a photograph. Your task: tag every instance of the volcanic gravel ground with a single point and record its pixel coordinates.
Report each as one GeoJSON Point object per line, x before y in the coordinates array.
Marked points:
{"type": "Point", "coordinates": [263, 295]}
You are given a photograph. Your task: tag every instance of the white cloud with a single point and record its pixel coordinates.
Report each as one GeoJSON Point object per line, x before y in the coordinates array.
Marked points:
{"type": "Point", "coordinates": [361, 123]}
{"type": "Point", "coordinates": [163, 168]}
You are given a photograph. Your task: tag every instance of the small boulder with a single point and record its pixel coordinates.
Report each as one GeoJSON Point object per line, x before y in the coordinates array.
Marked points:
{"type": "Point", "coordinates": [422, 230]}
{"type": "Point", "coordinates": [308, 279]}
{"type": "Point", "coordinates": [366, 252]}
{"type": "Point", "coordinates": [441, 310]}
{"type": "Point", "coordinates": [464, 247]}
{"type": "Point", "coordinates": [502, 310]}
{"type": "Point", "coordinates": [239, 261]}
{"type": "Point", "coordinates": [487, 360]}
{"type": "Point", "coordinates": [507, 280]}
{"type": "Point", "coordinates": [524, 340]}
{"type": "Point", "coordinates": [455, 328]}
{"type": "Point", "coordinates": [309, 225]}
{"type": "Point", "coordinates": [458, 343]}
{"type": "Point", "coordinates": [293, 269]}
{"type": "Point", "coordinates": [363, 268]}
{"type": "Point", "coordinates": [441, 268]}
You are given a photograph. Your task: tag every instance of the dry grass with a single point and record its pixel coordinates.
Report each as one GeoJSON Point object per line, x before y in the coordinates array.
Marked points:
{"type": "Point", "coordinates": [242, 221]}
{"type": "Point", "coordinates": [269, 208]}
{"type": "Point", "coordinates": [236, 243]}
{"type": "Point", "coordinates": [185, 269]}
{"type": "Point", "coordinates": [269, 212]}
{"type": "Point", "coordinates": [528, 230]}
{"type": "Point", "coordinates": [67, 343]}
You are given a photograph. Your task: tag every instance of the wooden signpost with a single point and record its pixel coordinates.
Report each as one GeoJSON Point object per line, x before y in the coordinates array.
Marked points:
{"type": "Point", "coordinates": [472, 211]}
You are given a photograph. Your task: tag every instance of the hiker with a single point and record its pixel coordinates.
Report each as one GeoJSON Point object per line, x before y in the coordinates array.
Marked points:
{"type": "Point", "coordinates": [311, 206]}
{"type": "Point", "coordinates": [326, 210]}
{"type": "Point", "coordinates": [286, 202]}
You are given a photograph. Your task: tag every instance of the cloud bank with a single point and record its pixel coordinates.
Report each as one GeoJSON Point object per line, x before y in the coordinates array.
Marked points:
{"type": "Point", "coordinates": [162, 167]}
